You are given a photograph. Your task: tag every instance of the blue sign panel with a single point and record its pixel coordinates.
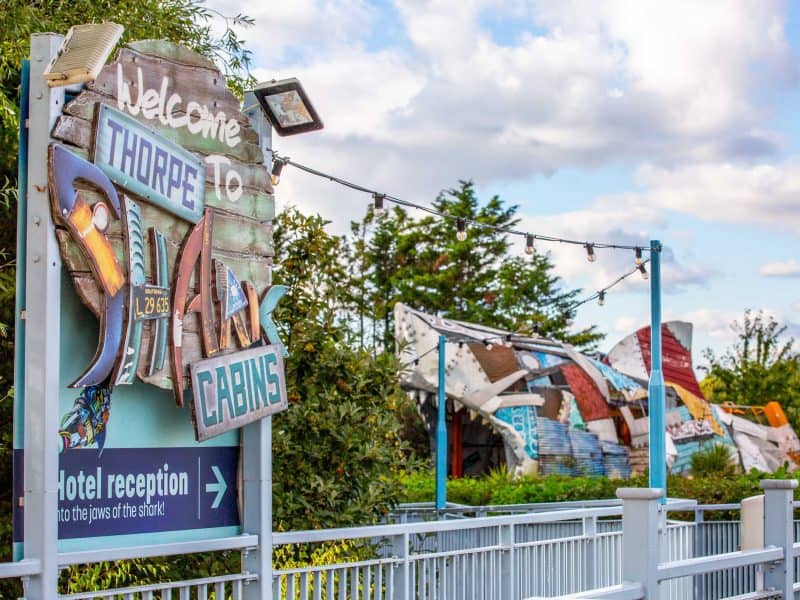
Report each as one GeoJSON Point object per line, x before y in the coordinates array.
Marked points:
{"type": "Point", "coordinates": [149, 165]}
{"type": "Point", "coordinates": [123, 491]}
{"type": "Point", "coordinates": [151, 482]}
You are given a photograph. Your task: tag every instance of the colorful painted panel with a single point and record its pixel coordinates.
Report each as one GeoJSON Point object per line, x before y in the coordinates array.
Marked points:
{"type": "Point", "coordinates": [592, 404]}
{"type": "Point", "coordinates": [523, 420]}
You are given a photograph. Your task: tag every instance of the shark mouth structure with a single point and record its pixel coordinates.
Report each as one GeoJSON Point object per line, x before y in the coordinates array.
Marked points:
{"type": "Point", "coordinates": [540, 406]}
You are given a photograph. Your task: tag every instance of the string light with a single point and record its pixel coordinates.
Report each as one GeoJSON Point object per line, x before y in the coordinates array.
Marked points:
{"type": "Point", "coordinates": [277, 167]}
{"type": "Point", "coordinates": [529, 243]}
{"type": "Point", "coordinates": [438, 213]}
{"type": "Point", "coordinates": [377, 204]}
{"type": "Point", "coordinates": [461, 227]}
{"type": "Point", "coordinates": [590, 255]}
{"type": "Point", "coordinates": [638, 259]}
{"type": "Point", "coordinates": [601, 294]}
{"type": "Point", "coordinates": [488, 344]}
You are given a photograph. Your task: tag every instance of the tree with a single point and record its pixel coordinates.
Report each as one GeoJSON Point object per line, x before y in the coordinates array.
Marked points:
{"type": "Point", "coordinates": [761, 366]}
{"type": "Point", "coordinates": [337, 450]}
{"type": "Point", "coordinates": [423, 264]}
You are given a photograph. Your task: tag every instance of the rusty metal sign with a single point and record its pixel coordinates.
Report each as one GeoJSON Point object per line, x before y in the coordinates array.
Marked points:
{"type": "Point", "coordinates": [233, 390]}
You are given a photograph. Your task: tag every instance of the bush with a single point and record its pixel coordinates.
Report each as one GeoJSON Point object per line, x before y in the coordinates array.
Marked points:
{"type": "Point", "coordinates": [713, 461]}
{"type": "Point", "coordinates": [492, 489]}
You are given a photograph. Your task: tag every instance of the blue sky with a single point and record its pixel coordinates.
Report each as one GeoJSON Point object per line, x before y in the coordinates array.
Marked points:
{"type": "Point", "coordinates": [610, 121]}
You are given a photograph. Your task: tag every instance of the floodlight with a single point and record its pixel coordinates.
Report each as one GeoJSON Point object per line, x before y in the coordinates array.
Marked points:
{"type": "Point", "coordinates": [287, 107]}
{"type": "Point", "coordinates": [83, 53]}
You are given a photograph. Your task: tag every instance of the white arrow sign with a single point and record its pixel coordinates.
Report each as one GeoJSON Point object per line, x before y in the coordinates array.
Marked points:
{"type": "Point", "coordinates": [220, 487]}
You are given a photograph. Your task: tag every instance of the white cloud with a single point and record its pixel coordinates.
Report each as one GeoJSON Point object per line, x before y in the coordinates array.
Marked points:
{"type": "Point", "coordinates": [587, 84]}
{"type": "Point", "coordinates": [789, 268]}
{"type": "Point", "coordinates": [763, 193]}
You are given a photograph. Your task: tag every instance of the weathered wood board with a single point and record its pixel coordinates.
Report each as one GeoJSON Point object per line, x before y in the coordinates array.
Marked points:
{"type": "Point", "coordinates": [181, 96]}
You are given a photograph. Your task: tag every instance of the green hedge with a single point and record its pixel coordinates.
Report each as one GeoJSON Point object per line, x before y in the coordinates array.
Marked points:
{"type": "Point", "coordinates": [498, 488]}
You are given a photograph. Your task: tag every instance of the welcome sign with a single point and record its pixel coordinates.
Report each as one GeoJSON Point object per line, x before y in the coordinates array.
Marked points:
{"type": "Point", "coordinates": [161, 206]}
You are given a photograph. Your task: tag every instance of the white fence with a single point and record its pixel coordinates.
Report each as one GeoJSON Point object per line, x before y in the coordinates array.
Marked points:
{"type": "Point", "coordinates": [561, 551]}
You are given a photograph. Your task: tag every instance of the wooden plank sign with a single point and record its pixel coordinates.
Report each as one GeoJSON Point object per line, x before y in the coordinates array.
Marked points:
{"type": "Point", "coordinates": [233, 390]}
{"type": "Point", "coordinates": [149, 165]}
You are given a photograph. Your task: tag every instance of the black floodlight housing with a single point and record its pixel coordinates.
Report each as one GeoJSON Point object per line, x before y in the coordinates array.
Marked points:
{"type": "Point", "coordinates": [287, 106]}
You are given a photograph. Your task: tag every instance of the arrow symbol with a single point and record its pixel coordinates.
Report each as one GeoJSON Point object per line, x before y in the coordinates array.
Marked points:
{"type": "Point", "coordinates": [220, 487]}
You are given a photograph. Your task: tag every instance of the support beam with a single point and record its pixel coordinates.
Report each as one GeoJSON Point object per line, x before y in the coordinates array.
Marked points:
{"type": "Point", "coordinates": [42, 358]}
{"type": "Point", "coordinates": [655, 402]}
{"type": "Point", "coordinates": [441, 433]}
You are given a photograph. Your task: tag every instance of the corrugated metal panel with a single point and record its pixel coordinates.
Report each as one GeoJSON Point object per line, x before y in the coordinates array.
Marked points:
{"type": "Point", "coordinates": [677, 360]}
{"type": "Point", "coordinates": [590, 401]}
{"type": "Point", "coordinates": [587, 453]}
{"type": "Point", "coordinates": [553, 438]}
{"type": "Point", "coordinates": [616, 460]}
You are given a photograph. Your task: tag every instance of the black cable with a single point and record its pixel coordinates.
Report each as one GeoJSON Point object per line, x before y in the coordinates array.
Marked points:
{"type": "Point", "coordinates": [399, 201]}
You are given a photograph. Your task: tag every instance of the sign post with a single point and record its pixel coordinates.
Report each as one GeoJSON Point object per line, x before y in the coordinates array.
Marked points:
{"type": "Point", "coordinates": [43, 330]}
{"type": "Point", "coordinates": [147, 249]}
{"type": "Point", "coordinates": [441, 432]}
{"type": "Point", "coordinates": [656, 409]}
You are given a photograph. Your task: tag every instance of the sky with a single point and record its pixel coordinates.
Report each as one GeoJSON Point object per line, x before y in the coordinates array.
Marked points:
{"type": "Point", "coordinates": [614, 121]}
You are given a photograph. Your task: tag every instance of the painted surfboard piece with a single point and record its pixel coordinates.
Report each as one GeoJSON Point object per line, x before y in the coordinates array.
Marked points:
{"type": "Point", "coordinates": [65, 169]}
{"type": "Point", "coordinates": [129, 360]}
{"type": "Point", "coordinates": [160, 327]}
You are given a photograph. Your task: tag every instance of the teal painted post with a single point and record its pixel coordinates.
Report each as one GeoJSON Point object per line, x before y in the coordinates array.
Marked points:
{"type": "Point", "coordinates": [658, 443]}
{"type": "Point", "coordinates": [19, 306]}
{"type": "Point", "coordinates": [441, 435]}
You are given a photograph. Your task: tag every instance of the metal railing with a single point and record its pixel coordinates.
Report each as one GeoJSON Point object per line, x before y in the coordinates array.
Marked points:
{"type": "Point", "coordinates": [547, 551]}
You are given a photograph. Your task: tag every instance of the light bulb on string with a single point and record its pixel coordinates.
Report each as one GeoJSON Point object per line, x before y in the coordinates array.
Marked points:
{"type": "Point", "coordinates": [529, 244]}
{"type": "Point", "coordinates": [590, 255]}
{"type": "Point", "coordinates": [377, 203]}
{"type": "Point", "coordinates": [638, 259]}
{"type": "Point", "coordinates": [277, 167]}
{"type": "Point", "coordinates": [643, 271]}
{"type": "Point", "coordinates": [601, 297]}
{"type": "Point", "coordinates": [488, 344]}
{"type": "Point", "coordinates": [461, 229]}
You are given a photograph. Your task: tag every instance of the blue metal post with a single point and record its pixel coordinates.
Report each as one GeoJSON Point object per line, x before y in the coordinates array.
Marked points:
{"type": "Point", "coordinates": [19, 306]}
{"type": "Point", "coordinates": [658, 443]}
{"type": "Point", "coordinates": [441, 435]}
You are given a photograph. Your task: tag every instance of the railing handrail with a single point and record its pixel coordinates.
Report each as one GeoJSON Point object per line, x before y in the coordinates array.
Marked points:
{"type": "Point", "coordinates": [377, 531]}
{"type": "Point", "coordinates": [673, 504]}
{"type": "Point", "coordinates": [20, 568]}
{"type": "Point", "coordinates": [717, 562]}
{"type": "Point", "coordinates": [236, 542]}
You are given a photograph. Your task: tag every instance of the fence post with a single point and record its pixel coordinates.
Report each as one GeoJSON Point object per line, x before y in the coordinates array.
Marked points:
{"type": "Point", "coordinates": [699, 550]}
{"type": "Point", "coordinates": [779, 531]}
{"type": "Point", "coordinates": [590, 533]}
{"type": "Point", "coordinates": [641, 544]}
{"type": "Point", "coordinates": [400, 550]}
{"type": "Point", "coordinates": [507, 579]}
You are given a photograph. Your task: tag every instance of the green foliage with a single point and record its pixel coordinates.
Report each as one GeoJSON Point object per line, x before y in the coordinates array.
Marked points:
{"type": "Point", "coordinates": [337, 450]}
{"type": "Point", "coordinates": [715, 489]}
{"type": "Point", "coordinates": [713, 461]}
{"type": "Point", "coordinates": [423, 264]}
{"type": "Point", "coordinates": [762, 366]}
